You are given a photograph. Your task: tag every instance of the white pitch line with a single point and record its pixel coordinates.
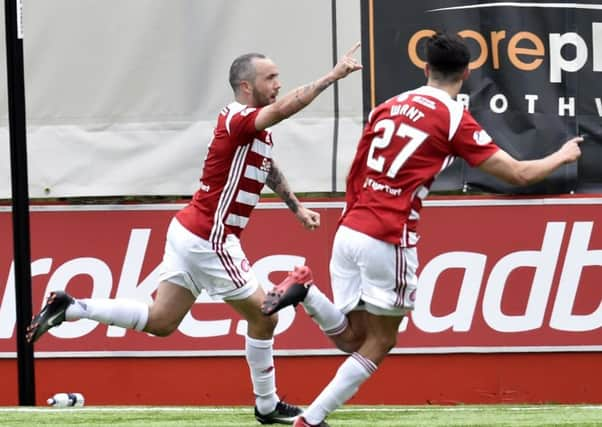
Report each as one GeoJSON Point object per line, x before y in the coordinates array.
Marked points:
{"type": "Point", "coordinates": [231, 409]}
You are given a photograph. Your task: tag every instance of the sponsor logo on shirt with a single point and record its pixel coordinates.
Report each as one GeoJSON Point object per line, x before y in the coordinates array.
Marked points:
{"type": "Point", "coordinates": [378, 186]}
{"type": "Point", "coordinates": [204, 187]}
{"type": "Point", "coordinates": [266, 165]}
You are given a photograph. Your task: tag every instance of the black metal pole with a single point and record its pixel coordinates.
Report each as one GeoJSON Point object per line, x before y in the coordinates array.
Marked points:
{"type": "Point", "coordinates": [20, 196]}
{"type": "Point", "coordinates": [335, 131]}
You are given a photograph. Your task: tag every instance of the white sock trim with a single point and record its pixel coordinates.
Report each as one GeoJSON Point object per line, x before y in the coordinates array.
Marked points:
{"type": "Point", "coordinates": [338, 329]}
{"type": "Point", "coordinates": [323, 311]}
{"type": "Point", "coordinates": [126, 313]}
{"type": "Point", "coordinates": [366, 363]}
{"type": "Point", "coordinates": [257, 343]}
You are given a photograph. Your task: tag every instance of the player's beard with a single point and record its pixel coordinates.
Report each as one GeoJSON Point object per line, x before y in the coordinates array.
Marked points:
{"type": "Point", "coordinates": [261, 100]}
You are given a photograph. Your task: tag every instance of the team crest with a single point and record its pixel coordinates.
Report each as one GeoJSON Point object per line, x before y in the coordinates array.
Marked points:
{"type": "Point", "coordinates": [481, 137]}
{"type": "Point", "coordinates": [266, 165]}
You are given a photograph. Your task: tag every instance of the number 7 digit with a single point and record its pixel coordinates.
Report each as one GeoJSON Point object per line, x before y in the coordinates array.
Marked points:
{"type": "Point", "coordinates": [416, 136]}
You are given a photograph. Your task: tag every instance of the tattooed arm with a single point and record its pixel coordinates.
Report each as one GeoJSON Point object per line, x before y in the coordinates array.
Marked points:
{"type": "Point", "coordinates": [278, 183]}
{"type": "Point", "coordinates": [299, 98]}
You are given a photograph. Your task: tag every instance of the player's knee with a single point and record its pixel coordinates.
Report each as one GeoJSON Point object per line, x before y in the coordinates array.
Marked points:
{"type": "Point", "coordinates": [384, 343]}
{"type": "Point", "coordinates": [160, 327]}
{"type": "Point", "coordinates": [388, 342]}
{"type": "Point", "coordinates": [350, 340]}
{"type": "Point", "coordinates": [163, 331]}
{"type": "Point", "coordinates": [348, 347]}
{"type": "Point", "coordinates": [160, 330]}
{"type": "Point", "coordinates": [347, 343]}
{"type": "Point", "coordinates": [268, 323]}
{"type": "Point", "coordinates": [263, 325]}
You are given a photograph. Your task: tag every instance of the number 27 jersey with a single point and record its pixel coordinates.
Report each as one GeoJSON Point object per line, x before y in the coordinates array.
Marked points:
{"type": "Point", "coordinates": [406, 143]}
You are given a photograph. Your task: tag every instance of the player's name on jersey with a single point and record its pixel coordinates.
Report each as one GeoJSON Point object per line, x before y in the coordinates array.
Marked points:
{"type": "Point", "coordinates": [411, 112]}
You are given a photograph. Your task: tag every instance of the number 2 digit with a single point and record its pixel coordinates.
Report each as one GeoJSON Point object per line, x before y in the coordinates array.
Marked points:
{"type": "Point", "coordinates": [415, 139]}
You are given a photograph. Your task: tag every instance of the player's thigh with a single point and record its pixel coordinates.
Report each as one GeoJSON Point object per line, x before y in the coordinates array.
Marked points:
{"type": "Point", "coordinates": [221, 269]}
{"type": "Point", "coordinates": [357, 324]}
{"type": "Point", "coordinates": [345, 274]}
{"type": "Point", "coordinates": [170, 305]}
{"type": "Point", "coordinates": [225, 271]}
{"type": "Point", "coordinates": [388, 278]}
{"type": "Point", "coordinates": [371, 274]}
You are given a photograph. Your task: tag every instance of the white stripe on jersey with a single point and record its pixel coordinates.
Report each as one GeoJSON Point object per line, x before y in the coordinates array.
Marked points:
{"type": "Point", "coordinates": [236, 220]}
{"type": "Point", "coordinates": [262, 148]}
{"type": "Point", "coordinates": [447, 162]}
{"type": "Point", "coordinates": [233, 109]}
{"type": "Point", "coordinates": [247, 198]}
{"type": "Point", "coordinates": [412, 238]}
{"type": "Point", "coordinates": [456, 109]}
{"type": "Point", "coordinates": [238, 161]}
{"type": "Point", "coordinates": [408, 237]}
{"type": "Point", "coordinates": [255, 174]}
{"type": "Point", "coordinates": [422, 192]}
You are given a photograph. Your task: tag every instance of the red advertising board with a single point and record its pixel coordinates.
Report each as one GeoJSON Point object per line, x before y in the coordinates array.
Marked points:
{"type": "Point", "coordinates": [496, 275]}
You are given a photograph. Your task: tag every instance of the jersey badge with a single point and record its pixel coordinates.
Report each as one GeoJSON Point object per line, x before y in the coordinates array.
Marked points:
{"type": "Point", "coordinates": [481, 137]}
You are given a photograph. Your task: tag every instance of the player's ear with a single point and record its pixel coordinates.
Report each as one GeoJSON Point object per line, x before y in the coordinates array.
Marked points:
{"type": "Point", "coordinates": [427, 71]}
{"type": "Point", "coordinates": [245, 87]}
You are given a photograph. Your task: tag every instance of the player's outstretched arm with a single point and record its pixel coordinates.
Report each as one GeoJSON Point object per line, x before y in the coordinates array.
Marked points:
{"type": "Point", "coordinates": [525, 172]}
{"type": "Point", "coordinates": [302, 96]}
{"type": "Point", "coordinates": [278, 183]}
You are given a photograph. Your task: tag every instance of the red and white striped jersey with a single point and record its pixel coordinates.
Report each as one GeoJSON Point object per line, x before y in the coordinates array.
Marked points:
{"type": "Point", "coordinates": [237, 164]}
{"type": "Point", "coordinates": [406, 143]}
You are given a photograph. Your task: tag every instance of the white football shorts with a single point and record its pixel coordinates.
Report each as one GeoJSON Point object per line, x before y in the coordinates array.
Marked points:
{"type": "Point", "coordinates": [192, 262]}
{"type": "Point", "coordinates": [372, 275]}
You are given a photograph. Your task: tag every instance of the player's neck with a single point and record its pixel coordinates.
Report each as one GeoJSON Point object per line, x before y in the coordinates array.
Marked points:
{"type": "Point", "coordinates": [245, 100]}
{"type": "Point", "coordinates": [240, 100]}
{"type": "Point", "coordinates": [451, 88]}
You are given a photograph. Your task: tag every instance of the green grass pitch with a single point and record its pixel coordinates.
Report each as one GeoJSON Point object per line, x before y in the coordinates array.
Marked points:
{"type": "Point", "coordinates": [372, 416]}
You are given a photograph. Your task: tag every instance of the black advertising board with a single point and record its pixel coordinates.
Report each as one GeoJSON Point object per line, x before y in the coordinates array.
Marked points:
{"type": "Point", "coordinates": [534, 83]}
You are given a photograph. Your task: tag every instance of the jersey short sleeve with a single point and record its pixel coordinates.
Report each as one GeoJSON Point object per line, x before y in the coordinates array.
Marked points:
{"type": "Point", "coordinates": [241, 124]}
{"type": "Point", "coordinates": [472, 142]}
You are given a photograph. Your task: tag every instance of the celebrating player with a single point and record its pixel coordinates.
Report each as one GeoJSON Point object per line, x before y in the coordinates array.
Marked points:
{"type": "Point", "coordinates": [203, 251]}
{"type": "Point", "coordinates": [407, 141]}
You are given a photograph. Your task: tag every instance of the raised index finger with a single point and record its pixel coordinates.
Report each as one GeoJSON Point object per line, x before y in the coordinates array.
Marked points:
{"type": "Point", "coordinates": [353, 49]}
{"type": "Point", "coordinates": [578, 139]}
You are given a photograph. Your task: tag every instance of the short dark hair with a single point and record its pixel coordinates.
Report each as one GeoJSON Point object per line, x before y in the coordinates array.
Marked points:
{"type": "Point", "coordinates": [447, 56]}
{"type": "Point", "coordinates": [242, 68]}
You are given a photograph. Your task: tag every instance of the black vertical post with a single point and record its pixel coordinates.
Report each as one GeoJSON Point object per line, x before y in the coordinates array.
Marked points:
{"type": "Point", "coordinates": [20, 196]}
{"type": "Point", "coordinates": [335, 59]}
{"type": "Point", "coordinates": [366, 7]}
